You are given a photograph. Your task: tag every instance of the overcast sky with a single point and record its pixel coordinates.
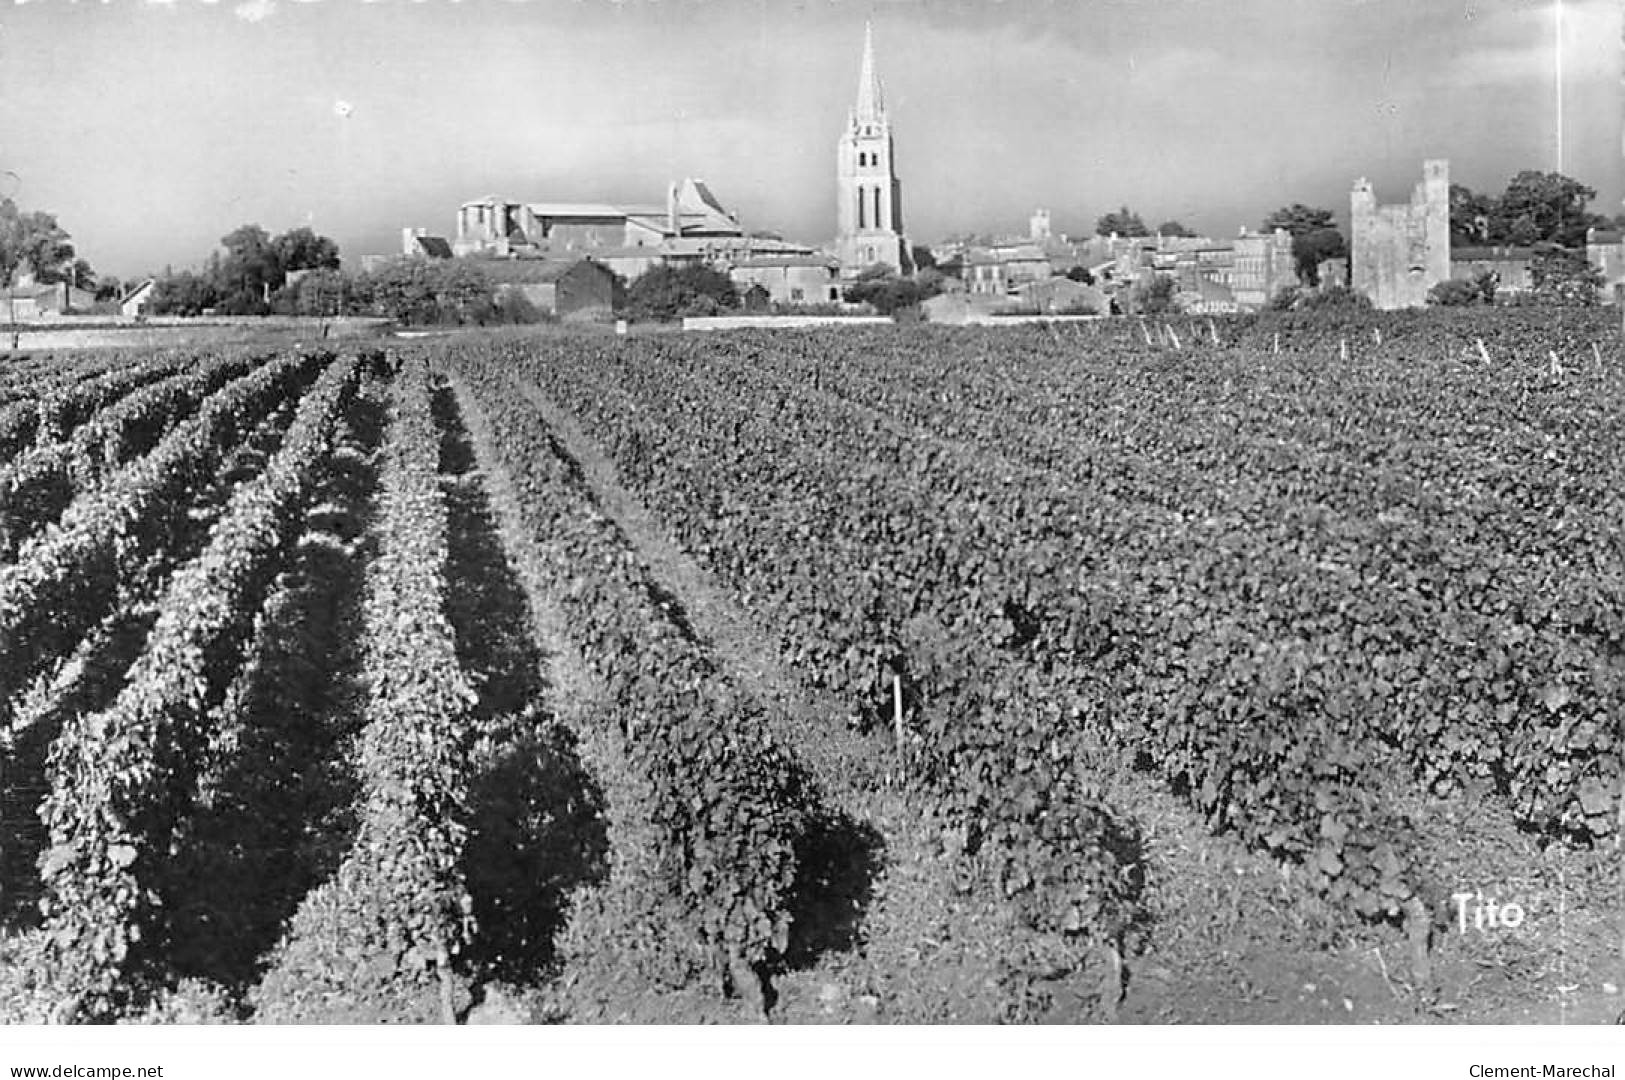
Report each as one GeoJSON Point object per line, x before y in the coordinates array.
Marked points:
{"type": "Point", "coordinates": [153, 128]}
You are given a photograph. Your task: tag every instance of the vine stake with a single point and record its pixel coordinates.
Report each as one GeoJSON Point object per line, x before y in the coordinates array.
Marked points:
{"type": "Point", "coordinates": [448, 998]}
{"type": "Point", "coordinates": [1619, 836]}
{"type": "Point", "coordinates": [897, 722]}
{"type": "Point", "coordinates": [1419, 928]}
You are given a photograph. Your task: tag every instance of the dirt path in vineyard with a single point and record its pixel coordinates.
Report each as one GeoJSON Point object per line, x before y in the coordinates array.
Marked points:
{"type": "Point", "coordinates": [885, 938]}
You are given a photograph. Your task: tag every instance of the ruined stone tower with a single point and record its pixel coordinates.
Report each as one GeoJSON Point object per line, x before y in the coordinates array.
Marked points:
{"type": "Point", "coordinates": [1400, 251]}
{"type": "Point", "coordinates": [869, 200]}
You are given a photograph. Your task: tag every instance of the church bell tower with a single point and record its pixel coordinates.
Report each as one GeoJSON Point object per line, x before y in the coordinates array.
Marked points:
{"type": "Point", "coordinates": [869, 206]}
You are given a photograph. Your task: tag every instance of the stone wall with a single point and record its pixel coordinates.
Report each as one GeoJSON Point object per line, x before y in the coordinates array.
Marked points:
{"type": "Point", "coordinates": [779, 322]}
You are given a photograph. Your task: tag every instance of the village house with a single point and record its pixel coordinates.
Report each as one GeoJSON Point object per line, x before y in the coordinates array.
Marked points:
{"type": "Point", "coordinates": [558, 287]}
{"type": "Point", "coordinates": [1063, 296]}
{"type": "Point", "coordinates": [1210, 276]}
{"type": "Point", "coordinates": [29, 300]}
{"type": "Point", "coordinates": [795, 279]}
{"type": "Point", "coordinates": [1605, 249]}
{"type": "Point", "coordinates": [418, 244]}
{"type": "Point", "coordinates": [135, 302]}
{"type": "Point", "coordinates": [1513, 267]}
{"type": "Point", "coordinates": [1261, 265]}
{"type": "Point", "coordinates": [983, 273]}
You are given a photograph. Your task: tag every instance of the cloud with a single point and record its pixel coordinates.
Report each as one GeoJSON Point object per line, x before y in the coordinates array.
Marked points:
{"type": "Point", "coordinates": [254, 10]}
{"type": "Point", "coordinates": [1519, 46]}
{"type": "Point", "coordinates": [1498, 66]}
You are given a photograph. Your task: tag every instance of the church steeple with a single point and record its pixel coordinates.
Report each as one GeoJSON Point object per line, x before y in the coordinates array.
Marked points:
{"type": "Point", "coordinates": [869, 209]}
{"type": "Point", "coordinates": [871, 106]}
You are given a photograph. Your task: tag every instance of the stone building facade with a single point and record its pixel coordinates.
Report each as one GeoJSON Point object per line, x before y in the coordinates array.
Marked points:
{"type": "Point", "coordinates": [869, 198]}
{"type": "Point", "coordinates": [804, 279]}
{"type": "Point", "coordinates": [499, 227]}
{"type": "Point", "coordinates": [559, 287]}
{"type": "Point", "coordinates": [1261, 266]}
{"type": "Point", "coordinates": [1605, 249]}
{"type": "Point", "coordinates": [693, 227]}
{"type": "Point", "coordinates": [1513, 267]}
{"type": "Point", "coordinates": [1400, 251]}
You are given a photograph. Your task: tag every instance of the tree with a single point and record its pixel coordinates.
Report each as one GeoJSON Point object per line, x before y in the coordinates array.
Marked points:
{"type": "Point", "coordinates": [756, 299]}
{"type": "Point", "coordinates": [1121, 221]}
{"type": "Point", "coordinates": [922, 257]}
{"type": "Point", "coordinates": [1460, 292]}
{"type": "Point", "coordinates": [81, 275]}
{"type": "Point", "coordinates": [248, 273]}
{"type": "Point", "coordinates": [1457, 292]}
{"type": "Point", "coordinates": [668, 292]}
{"type": "Point", "coordinates": [1156, 297]}
{"type": "Point", "coordinates": [1544, 207]}
{"type": "Point", "coordinates": [418, 292]}
{"type": "Point", "coordinates": [1315, 238]}
{"type": "Point", "coordinates": [889, 294]}
{"type": "Point", "coordinates": [402, 290]}
{"type": "Point", "coordinates": [185, 293]}
{"type": "Point", "coordinates": [1470, 216]}
{"type": "Point", "coordinates": [1286, 298]}
{"type": "Point", "coordinates": [302, 249]}
{"type": "Point", "coordinates": [32, 243]}
{"type": "Point", "coordinates": [320, 292]}
{"type": "Point", "coordinates": [1080, 273]}
{"type": "Point", "coordinates": [462, 292]}
{"type": "Point", "coordinates": [1564, 276]}
{"type": "Point", "coordinates": [1173, 228]}
{"type": "Point", "coordinates": [1336, 298]}
{"type": "Point", "coordinates": [514, 308]}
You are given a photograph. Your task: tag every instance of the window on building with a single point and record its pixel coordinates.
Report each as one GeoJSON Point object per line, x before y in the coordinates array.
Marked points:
{"type": "Point", "coordinates": [863, 221]}
{"type": "Point", "coordinates": [834, 292]}
{"type": "Point", "coordinates": [879, 221]}
{"type": "Point", "coordinates": [796, 295]}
